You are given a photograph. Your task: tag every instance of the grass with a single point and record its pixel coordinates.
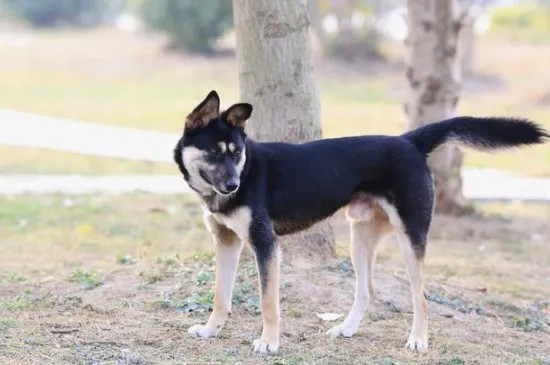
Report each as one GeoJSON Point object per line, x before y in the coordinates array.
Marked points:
{"type": "Point", "coordinates": [89, 279]}
{"type": "Point", "coordinates": [107, 77]}
{"type": "Point", "coordinates": [157, 279]}
{"type": "Point", "coordinates": [5, 324]}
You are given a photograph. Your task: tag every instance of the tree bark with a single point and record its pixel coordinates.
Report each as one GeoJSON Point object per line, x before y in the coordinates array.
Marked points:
{"type": "Point", "coordinates": [276, 76]}
{"type": "Point", "coordinates": [433, 75]}
{"type": "Point", "coordinates": [467, 46]}
{"type": "Point", "coordinates": [317, 32]}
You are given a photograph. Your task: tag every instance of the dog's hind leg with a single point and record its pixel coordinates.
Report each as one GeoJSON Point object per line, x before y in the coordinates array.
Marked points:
{"type": "Point", "coordinates": [228, 249]}
{"type": "Point", "coordinates": [413, 256]}
{"type": "Point", "coordinates": [367, 230]}
{"type": "Point", "coordinates": [414, 201]}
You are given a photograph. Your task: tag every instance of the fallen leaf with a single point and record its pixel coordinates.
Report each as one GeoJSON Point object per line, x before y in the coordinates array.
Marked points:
{"type": "Point", "coordinates": [329, 316]}
{"type": "Point", "coordinates": [159, 210]}
{"type": "Point", "coordinates": [84, 229]}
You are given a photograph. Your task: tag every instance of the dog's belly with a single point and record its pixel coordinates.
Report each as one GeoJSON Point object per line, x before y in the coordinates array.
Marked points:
{"type": "Point", "coordinates": [288, 226]}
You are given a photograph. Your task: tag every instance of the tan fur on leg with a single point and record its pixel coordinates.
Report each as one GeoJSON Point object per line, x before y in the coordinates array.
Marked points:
{"type": "Point", "coordinates": [227, 258]}
{"type": "Point", "coordinates": [418, 339]}
{"type": "Point", "coordinates": [269, 302]}
{"type": "Point", "coordinates": [368, 226]}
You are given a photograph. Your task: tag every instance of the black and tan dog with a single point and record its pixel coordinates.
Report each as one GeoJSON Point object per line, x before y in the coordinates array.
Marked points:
{"type": "Point", "coordinates": [253, 192]}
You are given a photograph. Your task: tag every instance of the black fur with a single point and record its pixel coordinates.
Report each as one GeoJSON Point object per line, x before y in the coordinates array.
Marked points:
{"type": "Point", "coordinates": [289, 187]}
{"type": "Point", "coordinates": [483, 133]}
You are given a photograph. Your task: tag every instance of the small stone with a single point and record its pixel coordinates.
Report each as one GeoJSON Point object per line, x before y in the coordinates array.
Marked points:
{"type": "Point", "coordinates": [232, 351]}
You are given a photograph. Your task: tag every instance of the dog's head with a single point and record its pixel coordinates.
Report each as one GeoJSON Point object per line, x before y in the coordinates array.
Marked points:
{"type": "Point", "coordinates": [212, 153]}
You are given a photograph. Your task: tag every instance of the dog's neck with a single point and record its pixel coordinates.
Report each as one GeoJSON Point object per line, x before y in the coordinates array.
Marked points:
{"type": "Point", "coordinates": [215, 202]}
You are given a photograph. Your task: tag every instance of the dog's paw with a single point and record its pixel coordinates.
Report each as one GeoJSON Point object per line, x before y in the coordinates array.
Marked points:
{"type": "Point", "coordinates": [201, 331]}
{"type": "Point", "coordinates": [264, 347]}
{"type": "Point", "coordinates": [418, 343]}
{"type": "Point", "coordinates": [341, 330]}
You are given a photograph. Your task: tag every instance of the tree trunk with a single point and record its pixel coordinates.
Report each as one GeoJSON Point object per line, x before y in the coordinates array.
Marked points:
{"type": "Point", "coordinates": [317, 32]}
{"type": "Point", "coordinates": [276, 77]}
{"type": "Point", "coordinates": [467, 44]}
{"type": "Point", "coordinates": [433, 75]}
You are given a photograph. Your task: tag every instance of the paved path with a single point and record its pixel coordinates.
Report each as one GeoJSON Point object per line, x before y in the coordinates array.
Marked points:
{"type": "Point", "coordinates": [479, 185]}
{"type": "Point", "coordinates": [36, 131]}
{"type": "Point", "coordinates": [78, 184]}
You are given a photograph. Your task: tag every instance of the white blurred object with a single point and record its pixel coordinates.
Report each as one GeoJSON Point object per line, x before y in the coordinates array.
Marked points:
{"type": "Point", "coordinates": [127, 23]}
{"type": "Point", "coordinates": [330, 24]}
{"type": "Point", "coordinates": [358, 19]}
{"type": "Point", "coordinates": [11, 39]}
{"type": "Point", "coordinates": [393, 23]}
{"type": "Point", "coordinates": [329, 316]}
{"type": "Point", "coordinates": [482, 23]}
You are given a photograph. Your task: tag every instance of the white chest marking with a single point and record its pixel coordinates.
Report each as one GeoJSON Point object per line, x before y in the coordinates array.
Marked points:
{"type": "Point", "coordinates": [238, 221]}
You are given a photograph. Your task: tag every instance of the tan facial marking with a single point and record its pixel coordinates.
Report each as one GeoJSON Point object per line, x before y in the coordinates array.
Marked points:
{"type": "Point", "coordinates": [222, 146]}
{"type": "Point", "coordinates": [231, 147]}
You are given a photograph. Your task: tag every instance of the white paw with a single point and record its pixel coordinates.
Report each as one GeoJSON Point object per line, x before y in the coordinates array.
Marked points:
{"type": "Point", "coordinates": [264, 347]}
{"type": "Point", "coordinates": [201, 331]}
{"type": "Point", "coordinates": [341, 330]}
{"type": "Point", "coordinates": [417, 343]}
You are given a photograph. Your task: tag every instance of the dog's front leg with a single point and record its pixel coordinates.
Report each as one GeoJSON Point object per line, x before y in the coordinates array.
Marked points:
{"type": "Point", "coordinates": [267, 253]}
{"type": "Point", "coordinates": [228, 249]}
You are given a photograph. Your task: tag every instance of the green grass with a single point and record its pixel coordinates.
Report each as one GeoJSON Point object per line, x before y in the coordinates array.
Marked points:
{"type": "Point", "coordinates": [89, 279]}
{"type": "Point", "coordinates": [112, 78]}
{"type": "Point", "coordinates": [17, 303]}
{"type": "Point", "coordinates": [58, 227]}
{"type": "Point", "coordinates": [5, 324]}
{"type": "Point", "coordinates": [528, 21]}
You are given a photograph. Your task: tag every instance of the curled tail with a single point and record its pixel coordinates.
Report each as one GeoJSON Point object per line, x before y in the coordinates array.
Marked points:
{"type": "Point", "coordinates": [481, 133]}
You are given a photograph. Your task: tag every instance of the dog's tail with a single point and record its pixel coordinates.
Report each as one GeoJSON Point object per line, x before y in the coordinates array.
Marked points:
{"type": "Point", "coordinates": [480, 133]}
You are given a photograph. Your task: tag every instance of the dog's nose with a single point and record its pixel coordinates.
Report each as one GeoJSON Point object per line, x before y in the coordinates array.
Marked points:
{"type": "Point", "coordinates": [231, 186]}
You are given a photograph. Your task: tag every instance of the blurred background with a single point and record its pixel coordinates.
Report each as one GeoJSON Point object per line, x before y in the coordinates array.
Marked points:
{"type": "Point", "coordinates": [95, 224]}
{"type": "Point", "coordinates": [145, 63]}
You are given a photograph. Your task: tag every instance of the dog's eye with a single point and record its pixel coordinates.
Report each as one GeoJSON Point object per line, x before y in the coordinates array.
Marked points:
{"type": "Point", "coordinates": [237, 153]}
{"type": "Point", "coordinates": [215, 151]}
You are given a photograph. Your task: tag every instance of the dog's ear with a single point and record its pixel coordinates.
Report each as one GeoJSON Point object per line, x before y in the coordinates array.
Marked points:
{"type": "Point", "coordinates": [238, 114]}
{"type": "Point", "coordinates": [207, 110]}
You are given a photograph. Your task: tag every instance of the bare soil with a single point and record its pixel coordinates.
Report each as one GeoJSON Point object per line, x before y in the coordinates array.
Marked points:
{"type": "Point", "coordinates": [489, 303]}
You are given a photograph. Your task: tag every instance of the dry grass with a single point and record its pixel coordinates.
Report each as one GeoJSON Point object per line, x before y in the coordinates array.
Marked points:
{"type": "Point", "coordinates": [107, 77]}
{"type": "Point", "coordinates": [486, 280]}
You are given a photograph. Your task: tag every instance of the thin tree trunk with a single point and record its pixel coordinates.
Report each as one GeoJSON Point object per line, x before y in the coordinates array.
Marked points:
{"type": "Point", "coordinates": [317, 32]}
{"type": "Point", "coordinates": [467, 46]}
{"type": "Point", "coordinates": [276, 77]}
{"type": "Point", "coordinates": [433, 75]}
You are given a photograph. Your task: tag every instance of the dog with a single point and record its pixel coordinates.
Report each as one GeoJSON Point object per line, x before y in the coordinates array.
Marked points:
{"type": "Point", "coordinates": [253, 192]}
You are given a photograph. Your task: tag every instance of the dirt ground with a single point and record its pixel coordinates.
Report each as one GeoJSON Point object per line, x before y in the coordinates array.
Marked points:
{"type": "Point", "coordinates": [104, 287]}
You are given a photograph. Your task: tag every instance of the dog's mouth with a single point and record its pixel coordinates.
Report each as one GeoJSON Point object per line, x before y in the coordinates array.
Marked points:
{"type": "Point", "coordinates": [218, 191]}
